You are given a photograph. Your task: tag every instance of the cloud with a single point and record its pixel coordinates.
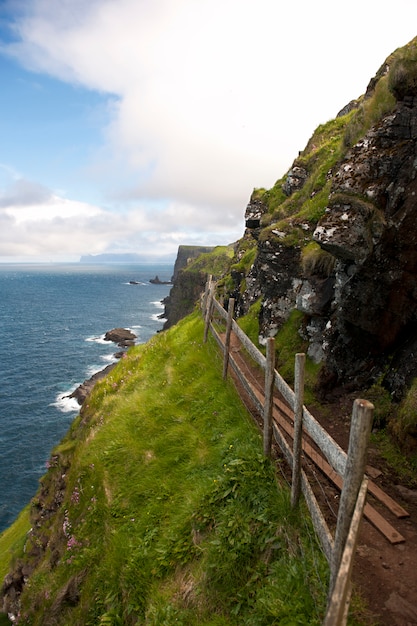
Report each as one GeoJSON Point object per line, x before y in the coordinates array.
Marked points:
{"type": "Point", "coordinates": [204, 88]}
{"type": "Point", "coordinates": [22, 193]}
{"type": "Point", "coordinates": [36, 222]}
{"type": "Point", "coordinates": [207, 100]}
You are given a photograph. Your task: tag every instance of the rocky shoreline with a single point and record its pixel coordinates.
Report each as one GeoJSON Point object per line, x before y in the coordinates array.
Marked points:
{"type": "Point", "coordinates": [124, 338]}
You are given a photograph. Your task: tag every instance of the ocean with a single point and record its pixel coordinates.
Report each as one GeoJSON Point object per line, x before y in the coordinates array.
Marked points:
{"type": "Point", "coordinates": [52, 324]}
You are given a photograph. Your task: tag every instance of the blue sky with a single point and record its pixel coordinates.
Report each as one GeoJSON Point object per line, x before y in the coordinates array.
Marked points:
{"type": "Point", "coordinates": [139, 125]}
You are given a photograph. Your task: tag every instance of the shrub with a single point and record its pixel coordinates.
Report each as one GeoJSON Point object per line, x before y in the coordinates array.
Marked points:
{"type": "Point", "coordinates": [316, 261]}
{"type": "Point", "coordinates": [370, 111]}
{"type": "Point", "coordinates": [402, 78]}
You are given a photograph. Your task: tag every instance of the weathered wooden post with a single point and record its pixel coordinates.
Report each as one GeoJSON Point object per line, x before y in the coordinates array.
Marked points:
{"type": "Point", "coordinates": [300, 360]}
{"type": "Point", "coordinates": [230, 311]}
{"type": "Point", "coordinates": [269, 394]}
{"type": "Point", "coordinates": [338, 604]}
{"type": "Point", "coordinates": [209, 310]}
{"type": "Point", "coordinates": [360, 429]}
{"type": "Point", "coordinates": [206, 295]}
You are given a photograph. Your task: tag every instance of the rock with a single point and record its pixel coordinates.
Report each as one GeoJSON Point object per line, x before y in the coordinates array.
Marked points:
{"type": "Point", "coordinates": [369, 226]}
{"type": "Point", "coordinates": [296, 178]}
{"type": "Point", "coordinates": [254, 211]}
{"type": "Point", "coordinates": [123, 337]}
{"type": "Point", "coordinates": [410, 495]}
{"type": "Point", "coordinates": [185, 254]}
{"type": "Point", "coordinates": [83, 390]}
{"type": "Point", "coordinates": [276, 275]}
{"type": "Point", "coordinates": [157, 281]}
{"type": "Point", "coordinates": [181, 300]}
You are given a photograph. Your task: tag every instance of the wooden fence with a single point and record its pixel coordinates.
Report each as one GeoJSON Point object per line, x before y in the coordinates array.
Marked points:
{"type": "Point", "coordinates": [339, 550]}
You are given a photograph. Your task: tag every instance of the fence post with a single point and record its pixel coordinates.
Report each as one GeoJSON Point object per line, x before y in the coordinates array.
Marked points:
{"type": "Point", "coordinates": [230, 311]}
{"type": "Point", "coordinates": [360, 429]}
{"type": "Point", "coordinates": [209, 310]}
{"type": "Point", "coordinates": [300, 360]}
{"type": "Point", "coordinates": [269, 394]}
{"type": "Point", "coordinates": [206, 294]}
{"type": "Point", "coordinates": [338, 603]}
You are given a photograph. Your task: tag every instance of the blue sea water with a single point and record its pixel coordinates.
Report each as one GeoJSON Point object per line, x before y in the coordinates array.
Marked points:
{"type": "Point", "coordinates": [52, 322]}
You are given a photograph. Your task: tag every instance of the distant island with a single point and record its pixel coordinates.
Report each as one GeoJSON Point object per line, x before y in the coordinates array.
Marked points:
{"type": "Point", "coordinates": [157, 281]}
{"type": "Point", "coordinates": [127, 258]}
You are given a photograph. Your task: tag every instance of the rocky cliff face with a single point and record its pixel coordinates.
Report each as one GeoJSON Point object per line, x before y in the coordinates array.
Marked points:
{"type": "Point", "coordinates": [336, 240]}
{"type": "Point", "coordinates": [370, 229]}
{"type": "Point", "coordinates": [187, 286]}
{"type": "Point", "coordinates": [358, 287]}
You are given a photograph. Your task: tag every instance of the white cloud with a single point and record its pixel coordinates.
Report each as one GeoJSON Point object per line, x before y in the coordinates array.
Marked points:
{"type": "Point", "coordinates": [213, 98]}
{"type": "Point", "coordinates": [38, 223]}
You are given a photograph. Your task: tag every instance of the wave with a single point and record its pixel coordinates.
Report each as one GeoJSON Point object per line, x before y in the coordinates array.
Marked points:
{"type": "Point", "coordinates": [156, 317]}
{"type": "Point", "coordinates": [136, 284]}
{"type": "Point", "coordinates": [108, 358]}
{"type": "Point", "coordinates": [65, 404]}
{"type": "Point", "coordinates": [93, 369]}
{"type": "Point", "coordinates": [100, 339]}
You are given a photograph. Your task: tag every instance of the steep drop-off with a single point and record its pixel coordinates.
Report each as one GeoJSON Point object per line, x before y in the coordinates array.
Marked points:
{"type": "Point", "coordinates": [159, 508]}
{"type": "Point", "coordinates": [191, 269]}
{"type": "Point", "coordinates": [336, 240]}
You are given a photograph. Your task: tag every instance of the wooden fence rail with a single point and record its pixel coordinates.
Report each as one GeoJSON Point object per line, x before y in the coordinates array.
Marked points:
{"type": "Point", "coordinates": [339, 550]}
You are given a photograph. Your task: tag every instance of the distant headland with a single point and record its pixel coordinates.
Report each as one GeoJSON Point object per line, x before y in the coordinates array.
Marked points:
{"type": "Point", "coordinates": [130, 257]}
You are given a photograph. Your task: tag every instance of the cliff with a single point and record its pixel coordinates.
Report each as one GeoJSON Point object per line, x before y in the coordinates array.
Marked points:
{"type": "Point", "coordinates": [186, 254]}
{"type": "Point", "coordinates": [332, 245]}
{"type": "Point", "coordinates": [335, 243]}
{"type": "Point", "coordinates": [192, 267]}
{"type": "Point", "coordinates": [158, 507]}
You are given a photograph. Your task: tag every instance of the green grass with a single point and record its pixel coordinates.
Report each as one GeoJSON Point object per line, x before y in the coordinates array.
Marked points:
{"type": "Point", "coordinates": [404, 467]}
{"type": "Point", "coordinates": [288, 342]}
{"type": "Point", "coordinates": [216, 262]}
{"type": "Point", "coordinates": [171, 514]}
{"type": "Point", "coordinates": [12, 541]}
{"type": "Point", "coordinates": [249, 323]}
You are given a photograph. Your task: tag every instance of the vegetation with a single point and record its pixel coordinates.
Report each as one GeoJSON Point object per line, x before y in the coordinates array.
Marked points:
{"type": "Point", "coordinates": [171, 514]}
{"type": "Point", "coordinates": [249, 323]}
{"type": "Point", "coordinates": [216, 262]}
{"type": "Point", "coordinates": [12, 541]}
{"type": "Point", "coordinates": [403, 74]}
{"type": "Point", "coordinates": [316, 261]}
{"type": "Point", "coordinates": [405, 424]}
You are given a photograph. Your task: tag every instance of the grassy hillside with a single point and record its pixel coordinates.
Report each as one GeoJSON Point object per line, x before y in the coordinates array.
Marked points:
{"type": "Point", "coordinates": [159, 508]}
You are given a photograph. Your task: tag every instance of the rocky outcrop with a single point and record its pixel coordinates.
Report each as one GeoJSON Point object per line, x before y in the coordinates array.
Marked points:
{"type": "Point", "coordinates": [123, 337]}
{"type": "Point", "coordinates": [295, 179]}
{"type": "Point", "coordinates": [84, 390]}
{"type": "Point", "coordinates": [186, 254]}
{"type": "Point", "coordinates": [359, 294]}
{"type": "Point", "coordinates": [182, 297]}
{"type": "Point", "coordinates": [276, 275]}
{"type": "Point", "coordinates": [158, 281]}
{"type": "Point", "coordinates": [363, 313]}
{"type": "Point", "coordinates": [369, 227]}
{"type": "Point", "coordinates": [187, 286]}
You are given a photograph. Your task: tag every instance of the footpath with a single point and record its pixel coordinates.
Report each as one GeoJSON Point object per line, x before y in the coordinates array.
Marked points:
{"type": "Point", "coordinates": [385, 565]}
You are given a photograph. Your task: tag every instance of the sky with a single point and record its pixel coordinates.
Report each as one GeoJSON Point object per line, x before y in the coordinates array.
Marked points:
{"type": "Point", "coordinates": [139, 125]}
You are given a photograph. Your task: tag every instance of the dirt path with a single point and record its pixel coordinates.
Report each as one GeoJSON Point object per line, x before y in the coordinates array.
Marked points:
{"type": "Point", "coordinates": [384, 575]}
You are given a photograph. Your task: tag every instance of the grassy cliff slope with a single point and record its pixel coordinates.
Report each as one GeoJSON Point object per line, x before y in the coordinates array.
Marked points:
{"type": "Point", "coordinates": [159, 508]}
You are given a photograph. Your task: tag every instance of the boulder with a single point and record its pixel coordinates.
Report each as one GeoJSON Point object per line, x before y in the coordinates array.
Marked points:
{"type": "Point", "coordinates": [123, 337]}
